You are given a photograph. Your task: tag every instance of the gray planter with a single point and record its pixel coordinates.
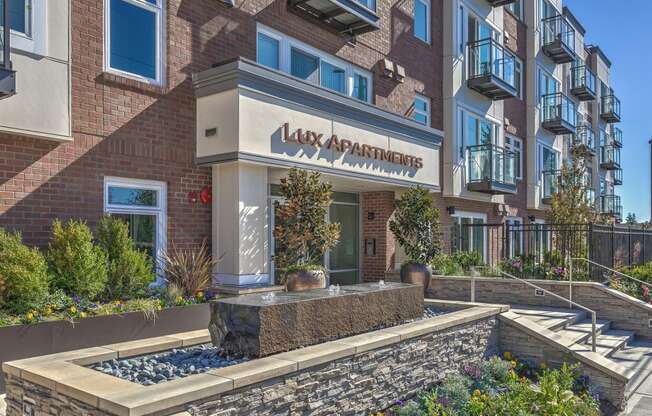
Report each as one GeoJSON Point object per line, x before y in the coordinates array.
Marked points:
{"type": "Point", "coordinates": [418, 274]}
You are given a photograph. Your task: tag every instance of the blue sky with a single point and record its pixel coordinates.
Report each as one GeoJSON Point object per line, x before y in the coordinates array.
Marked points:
{"type": "Point", "coordinates": [623, 30]}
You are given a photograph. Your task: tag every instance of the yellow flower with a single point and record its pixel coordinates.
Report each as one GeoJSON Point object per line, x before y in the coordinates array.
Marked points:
{"type": "Point", "coordinates": [159, 307]}
{"type": "Point", "coordinates": [485, 397]}
{"type": "Point", "coordinates": [200, 295]}
{"type": "Point", "coordinates": [72, 310]}
{"type": "Point", "coordinates": [477, 393]}
{"type": "Point", "coordinates": [83, 315]}
{"type": "Point", "coordinates": [513, 363]}
{"type": "Point", "coordinates": [178, 299]}
{"type": "Point", "coordinates": [543, 366]}
{"type": "Point", "coordinates": [29, 316]}
{"type": "Point", "coordinates": [508, 355]}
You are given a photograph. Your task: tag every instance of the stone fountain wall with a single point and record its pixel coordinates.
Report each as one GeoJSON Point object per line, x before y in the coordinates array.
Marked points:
{"type": "Point", "coordinates": [257, 325]}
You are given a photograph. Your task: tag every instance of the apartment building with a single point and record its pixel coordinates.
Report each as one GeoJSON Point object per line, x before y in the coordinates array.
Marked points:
{"type": "Point", "coordinates": [181, 117]}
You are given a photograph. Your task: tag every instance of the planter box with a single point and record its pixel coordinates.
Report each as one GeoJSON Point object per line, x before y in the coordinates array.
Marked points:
{"type": "Point", "coordinates": [25, 341]}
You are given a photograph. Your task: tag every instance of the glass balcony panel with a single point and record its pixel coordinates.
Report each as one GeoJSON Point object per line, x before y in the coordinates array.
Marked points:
{"type": "Point", "coordinates": [585, 138]}
{"type": "Point", "coordinates": [3, 50]}
{"type": "Point", "coordinates": [491, 167]}
{"type": "Point", "coordinates": [491, 69]}
{"type": "Point", "coordinates": [610, 108]}
{"type": "Point", "coordinates": [558, 113]}
{"type": "Point", "coordinates": [616, 137]}
{"type": "Point", "coordinates": [550, 184]}
{"type": "Point", "coordinates": [583, 83]}
{"type": "Point", "coordinates": [558, 39]}
{"type": "Point", "coordinates": [609, 157]}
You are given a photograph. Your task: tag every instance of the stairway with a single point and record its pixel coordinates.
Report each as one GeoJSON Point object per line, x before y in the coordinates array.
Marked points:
{"type": "Point", "coordinates": [616, 345]}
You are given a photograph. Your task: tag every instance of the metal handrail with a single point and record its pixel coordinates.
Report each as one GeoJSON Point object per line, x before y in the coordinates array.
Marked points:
{"type": "Point", "coordinates": [611, 270]}
{"type": "Point", "coordinates": [571, 303]}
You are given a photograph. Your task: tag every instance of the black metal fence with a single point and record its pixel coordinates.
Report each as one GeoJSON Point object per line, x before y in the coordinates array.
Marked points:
{"type": "Point", "coordinates": [547, 247]}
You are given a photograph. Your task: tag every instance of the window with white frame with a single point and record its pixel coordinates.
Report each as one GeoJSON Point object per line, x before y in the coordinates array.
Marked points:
{"type": "Point", "coordinates": [20, 16]}
{"type": "Point", "coordinates": [474, 130]}
{"type": "Point", "coordinates": [421, 113]}
{"type": "Point", "coordinates": [281, 52]}
{"type": "Point", "coordinates": [422, 20]}
{"type": "Point", "coordinates": [514, 228]}
{"type": "Point", "coordinates": [134, 39]}
{"type": "Point", "coordinates": [547, 83]}
{"type": "Point", "coordinates": [471, 232]}
{"type": "Point", "coordinates": [142, 205]}
{"type": "Point", "coordinates": [518, 77]}
{"type": "Point", "coordinates": [516, 145]}
{"type": "Point", "coordinates": [29, 25]}
{"type": "Point", "coordinates": [516, 8]}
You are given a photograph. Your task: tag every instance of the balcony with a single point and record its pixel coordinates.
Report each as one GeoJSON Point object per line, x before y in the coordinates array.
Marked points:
{"type": "Point", "coordinates": [618, 176]}
{"type": "Point", "coordinates": [615, 138]}
{"type": "Point", "coordinates": [7, 76]}
{"type": "Point", "coordinates": [490, 170]}
{"type": "Point", "coordinates": [558, 39]}
{"type": "Point", "coordinates": [498, 3]}
{"type": "Point", "coordinates": [589, 196]}
{"type": "Point", "coordinates": [353, 17]}
{"type": "Point", "coordinates": [610, 109]}
{"type": "Point", "coordinates": [558, 114]}
{"type": "Point", "coordinates": [584, 140]}
{"type": "Point", "coordinates": [491, 70]}
{"type": "Point", "coordinates": [551, 182]}
{"type": "Point", "coordinates": [583, 83]}
{"type": "Point", "coordinates": [610, 206]}
{"type": "Point", "coordinates": [609, 157]}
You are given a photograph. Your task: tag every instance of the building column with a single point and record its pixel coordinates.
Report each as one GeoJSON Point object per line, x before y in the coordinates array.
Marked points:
{"type": "Point", "coordinates": [377, 208]}
{"type": "Point", "coordinates": [240, 232]}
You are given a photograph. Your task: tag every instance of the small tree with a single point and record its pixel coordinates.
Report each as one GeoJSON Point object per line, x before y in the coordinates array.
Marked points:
{"type": "Point", "coordinates": [302, 233]}
{"type": "Point", "coordinates": [416, 226]}
{"type": "Point", "coordinates": [77, 266]}
{"type": "Point", "coordinates": [631, 219]}
{"type": "Point", "coordinates": [129, 270]}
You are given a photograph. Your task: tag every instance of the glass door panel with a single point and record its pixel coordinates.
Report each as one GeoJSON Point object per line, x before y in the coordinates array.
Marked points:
{"type": "Point", "coordinates": [343, 259]}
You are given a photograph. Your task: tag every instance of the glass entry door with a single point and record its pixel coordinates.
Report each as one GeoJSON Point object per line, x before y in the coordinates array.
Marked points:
{"type": "Point", "coordinates": [343, 259]}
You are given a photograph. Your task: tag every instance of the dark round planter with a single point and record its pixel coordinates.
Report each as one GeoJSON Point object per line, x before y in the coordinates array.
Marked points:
{"type": "Point", "coordinates": [305, 280]}
{"type": "Point", "coordinates": [418, 274]}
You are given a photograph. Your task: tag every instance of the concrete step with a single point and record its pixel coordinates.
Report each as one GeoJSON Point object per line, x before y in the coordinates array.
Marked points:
{"type": "Point", "coordinates": [550, 318]}
{"type": "Point", "coordinates": [585, 327]}
{"type": "Point", "coordinates": [637, 356]}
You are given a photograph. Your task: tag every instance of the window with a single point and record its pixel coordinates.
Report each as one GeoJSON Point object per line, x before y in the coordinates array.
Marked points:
{"type": "Point", "coordinates": [547, 83]}
{"type": "Point", "coordinates": [515, 233]}
{"type": "Point", "coordinates": [474, 131]}
{"type": "Point", "coordinates": [134, 38]}
{"type": "Point", "coordinates": [268, 51]}
{"type": "Point", "coordinates": [548, 160]}
{"type": "Point", "coordinates": [516, 145]}
{"type": "Point", "coordinates": [422, 20]}
{"type": "Point", "coordinates": [281, 52]}
{"type": "Point", "coordinates": [518, 77]}
{"type": "Point", "coordinates": [516, 8]}
{"type": "Point", "coordinates": [20, 16]}
{"type": "Point", "coordinates": [369, 4]}
{"type": "Point", "coordinates": [142, 205]}
{"type": "Point", "coordinates": [480, 30]}
{"type": "Point", "coordinates": [421, 111]}
{"type": "Point", "coordinates": [471, 232]}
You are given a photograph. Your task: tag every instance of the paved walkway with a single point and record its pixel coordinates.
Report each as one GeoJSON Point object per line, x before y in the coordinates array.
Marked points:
{"type": "Point", "coordinates": [637, 355]}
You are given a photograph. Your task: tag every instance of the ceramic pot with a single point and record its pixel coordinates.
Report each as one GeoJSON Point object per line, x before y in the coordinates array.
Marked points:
{"type": "Point", "coordinates": [418, 274]}
{"type": "Point", "coordinates": [305, 280]}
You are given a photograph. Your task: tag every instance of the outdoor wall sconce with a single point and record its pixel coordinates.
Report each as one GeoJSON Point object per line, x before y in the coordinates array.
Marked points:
{"type": "Point", "coordinates": [371, 216]}
{"type": "Point", "coordinates": [400, 74]}
{"type": "Point", "coordinates": [532, 218]}
{"type": "Point", "coordinates": [387, 67]}
{"type": "Point", "coordinates": [450, 210]}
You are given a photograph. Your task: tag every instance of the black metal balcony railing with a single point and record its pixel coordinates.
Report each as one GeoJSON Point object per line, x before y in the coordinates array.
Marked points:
{"type": "Point", "coordinates": [618, 176]}
{"type": "Point", "coordinates": [7, 76]}
{"type": "Point", "coordinates": [584, 139]}
{"type": "Point", "coordinates": [491, 70]}
{"type": "Point", "coordinates": [583, 83]}
{"type": "Point", "coordinates": [498, 3]}
{"type": "Point", "coordinates": [558, 114]}
{"type": "Point", "coordinates": [490, 169]}
{"type": "Point", "coordinates": [558, 39]}
{"type": "Point", "coordinates": [550, 181]}
{"type": "Point", "coordinates": [610, 109]}
{"type": "Point", "coordinates": [346, 16]}
{"type": "Point", "coordinates": [615, 137]}
{"type": "Point", "coordinates": [609, 157]}
{"type": "Point", "coordinates": [610, 205]}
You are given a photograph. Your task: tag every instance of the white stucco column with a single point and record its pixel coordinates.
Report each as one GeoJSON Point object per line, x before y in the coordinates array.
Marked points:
{"type": "Point", "coordinates": [240, 232]}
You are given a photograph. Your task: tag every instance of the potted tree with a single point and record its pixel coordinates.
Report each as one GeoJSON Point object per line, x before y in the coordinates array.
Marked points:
{"type": "Point", "coordinates": [415, 226]}
{"type": "Point", "coordinates": [302, 233]}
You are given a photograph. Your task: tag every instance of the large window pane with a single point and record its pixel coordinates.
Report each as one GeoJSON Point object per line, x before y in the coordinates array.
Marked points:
{"type": "Point", "coordinates": [142, 229]}
{"type": "Point", "coordinates": [360, 87]}
{"type": "Point", "coordinates": [268, 51]}
{"type": "Point", "coordinates": [132, 197]}
{"type": "Point", "coordinates": [304, 66]}
{"type": "Point", "coordinates": [133, 39]}
{"type": "Point", "coordinates": [345, 253]}
{"type": "Point", "coordinates": [421, 29]}
{"type": "Point", "coordinates": [333, 77]}
{"type": "Point", "coordinates": [19, 15]}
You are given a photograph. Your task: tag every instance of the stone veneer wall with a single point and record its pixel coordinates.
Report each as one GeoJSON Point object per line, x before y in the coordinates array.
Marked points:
{"type": "Point", "coordinates": [625, 312]}
{"type": "Point", "coordinates": [365, 382]}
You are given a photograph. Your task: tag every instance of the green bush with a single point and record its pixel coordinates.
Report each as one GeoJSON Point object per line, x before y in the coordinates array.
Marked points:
{"type": "Point", "coordinates": [129, 271]}
{"type": "Point", "coordinates": [23, 274]}
{"type": "Point", "coordinates": [76, 265]}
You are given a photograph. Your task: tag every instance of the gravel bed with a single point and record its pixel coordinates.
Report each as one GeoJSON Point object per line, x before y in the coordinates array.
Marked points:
{"type": "Point", "coordinates": [181, 362]}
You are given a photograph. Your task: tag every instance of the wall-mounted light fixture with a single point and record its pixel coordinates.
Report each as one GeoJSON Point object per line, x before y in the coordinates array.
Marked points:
{"type": "Point", "coordinates": [450, 210]}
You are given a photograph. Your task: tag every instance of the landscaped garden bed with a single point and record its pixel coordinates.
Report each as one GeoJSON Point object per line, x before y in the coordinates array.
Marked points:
{"type": "Point", "coordinates": [505, 387]}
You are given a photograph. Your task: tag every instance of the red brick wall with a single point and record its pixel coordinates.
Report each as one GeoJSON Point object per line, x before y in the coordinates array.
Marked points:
{"type": "Point", "coordinates": [125, 128]}
{"type": "Point", "coordinates": [381, 204]}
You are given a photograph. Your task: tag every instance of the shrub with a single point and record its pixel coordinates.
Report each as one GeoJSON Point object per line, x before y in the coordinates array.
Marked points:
{"type": "Point", "coordinates": [189, 270]}
{"type": "Point", "coordinates": [416, 226]}
{"type": "Point", "coordinates": [301, 230]}
{"type": "Point", "coordinates": [76, 265]}
{"type": "Point", "coordinates": [23, 274]}
{"type": "Point", "coordinates": [129, 271]}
